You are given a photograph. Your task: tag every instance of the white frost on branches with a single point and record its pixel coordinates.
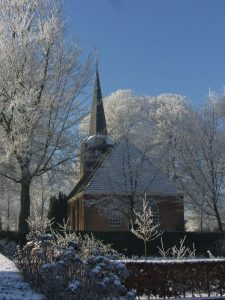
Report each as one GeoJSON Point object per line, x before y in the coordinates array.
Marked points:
{"type": "Point", "coordinates": [144, 227]}
{"type": "Point", "coordinates": [40, 80]}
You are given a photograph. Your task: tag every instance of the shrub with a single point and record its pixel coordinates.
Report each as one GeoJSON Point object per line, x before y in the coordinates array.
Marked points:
{"type": "Point", "coordinates": [67, 266]}
{"type": "Point", "coordinates": [177, 252]}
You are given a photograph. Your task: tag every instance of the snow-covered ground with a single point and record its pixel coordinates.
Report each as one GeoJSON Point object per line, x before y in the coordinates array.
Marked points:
{"type": "Point", "coordinates": [12, 285]}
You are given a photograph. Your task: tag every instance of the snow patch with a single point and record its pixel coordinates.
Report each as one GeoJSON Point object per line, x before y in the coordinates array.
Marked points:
{"type": "Point", "coordinates": [12, 285]}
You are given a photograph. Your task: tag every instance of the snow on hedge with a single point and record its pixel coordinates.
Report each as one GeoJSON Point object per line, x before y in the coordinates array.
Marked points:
{"type": "Point", "coordinates": [157, 260]}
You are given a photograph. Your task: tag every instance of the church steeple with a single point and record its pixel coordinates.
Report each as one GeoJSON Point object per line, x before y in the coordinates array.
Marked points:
{"type": "Point", "coordinates": [97, 120]}
{"type": "Point", "coordinates": [94, 149]}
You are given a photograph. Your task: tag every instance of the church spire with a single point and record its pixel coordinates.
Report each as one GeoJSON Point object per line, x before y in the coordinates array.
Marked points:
{"type": "Point", "coordinates": [97, 120]}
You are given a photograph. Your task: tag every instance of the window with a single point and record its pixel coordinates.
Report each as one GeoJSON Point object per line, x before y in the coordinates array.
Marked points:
{"type": "Point", "coordinates": [155, 211]}
{"type": "Point", "coordinates": [114, 219]}
{"type": "Point", "coordinates": [98, 153]}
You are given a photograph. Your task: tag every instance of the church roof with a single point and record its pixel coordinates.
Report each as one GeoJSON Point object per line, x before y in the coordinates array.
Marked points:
{"type": "Point", "coordinates": [97, 119]}
{"type": "Point", "coordinates": [125, 170]}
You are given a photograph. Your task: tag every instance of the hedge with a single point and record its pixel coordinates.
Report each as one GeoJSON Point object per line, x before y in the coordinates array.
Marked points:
{"type": "Point", "coordinates": [128, 244]}
{"type": "Point", "coordinates": [18, 238]}
{"type": "Point", "coordinates": [173, 278]}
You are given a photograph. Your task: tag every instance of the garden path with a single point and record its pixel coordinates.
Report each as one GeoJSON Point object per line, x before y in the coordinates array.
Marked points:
{"type": "Point", "coordinates": [12, 285]}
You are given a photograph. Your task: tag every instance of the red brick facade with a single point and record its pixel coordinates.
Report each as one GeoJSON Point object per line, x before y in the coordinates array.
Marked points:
{"type": "Point", "coordinates": [87, 218]}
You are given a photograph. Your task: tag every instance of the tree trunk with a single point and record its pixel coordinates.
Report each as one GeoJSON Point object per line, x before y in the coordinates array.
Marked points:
{"type": "Point", "coordinates": [201, 221]}
{"type": "Point", "coordinates": [131, 204]}
{"type": "Point", "coordinates": [8, 213]}
{"type": "Point", "coordinates": [24, 204]}
{"type": "Point", "coordinates": [220, 225]}
{"type": "Point", "coordinates": [145, 249]}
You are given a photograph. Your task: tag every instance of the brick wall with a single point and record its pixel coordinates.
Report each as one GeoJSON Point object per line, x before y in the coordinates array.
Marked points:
{"type": "Point", "coordinates": [87, 218]}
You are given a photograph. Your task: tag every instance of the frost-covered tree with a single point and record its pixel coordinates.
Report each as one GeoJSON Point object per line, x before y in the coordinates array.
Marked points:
{"type": "Point", "coordinates": [151, 123]}
{"type": "Point", "coordinates": [40, 81]}
{"type": "Point", "coordinates": [41, 190]}
{"type": "Point", "coordinates": [46, 186]}
{"type": "Point", "coordinates": [177, 138]}
{"type": "Point", "coordinates": [145, 228]}
{"type": "Point", "coordinates": [170, 111]}
{"type": "Point", "coordinates": [202, 160]}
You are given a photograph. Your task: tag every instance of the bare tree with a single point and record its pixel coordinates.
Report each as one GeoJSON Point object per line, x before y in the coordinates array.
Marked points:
{"type": "Point", "coordinates": [41, 191]}
{"type": "Point", "coordinates": [40, 81]}
{"type": "Point", "coordinates": [202, 160]}
{"type": "Point", "coordinates": [145, 228]}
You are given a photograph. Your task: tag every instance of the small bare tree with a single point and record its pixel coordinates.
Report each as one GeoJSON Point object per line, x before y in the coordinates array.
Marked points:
{"type": "Point", "coordinates": [146, 229]}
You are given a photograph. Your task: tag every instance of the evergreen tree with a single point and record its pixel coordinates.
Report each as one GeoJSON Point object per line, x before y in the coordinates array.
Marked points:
{"type": "Point", "coordinates": [58, 208]}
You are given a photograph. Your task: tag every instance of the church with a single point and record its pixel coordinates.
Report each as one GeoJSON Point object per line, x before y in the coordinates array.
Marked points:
{"type": "Point", "coordinates": [115, 176]}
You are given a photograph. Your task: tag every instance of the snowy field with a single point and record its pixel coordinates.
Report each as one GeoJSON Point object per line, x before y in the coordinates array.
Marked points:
{"type": "Point", "coordinates": [12, 285]}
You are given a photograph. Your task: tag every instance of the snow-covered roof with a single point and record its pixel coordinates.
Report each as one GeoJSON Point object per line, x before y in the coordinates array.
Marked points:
{"type": "Point", "coordinates": [98, 137]}
{"type": "Point", "coordinates": [126, 169]}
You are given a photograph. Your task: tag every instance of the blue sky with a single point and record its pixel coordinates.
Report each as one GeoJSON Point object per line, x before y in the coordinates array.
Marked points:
{"type": "Point", "coordinates": [154, 46]}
